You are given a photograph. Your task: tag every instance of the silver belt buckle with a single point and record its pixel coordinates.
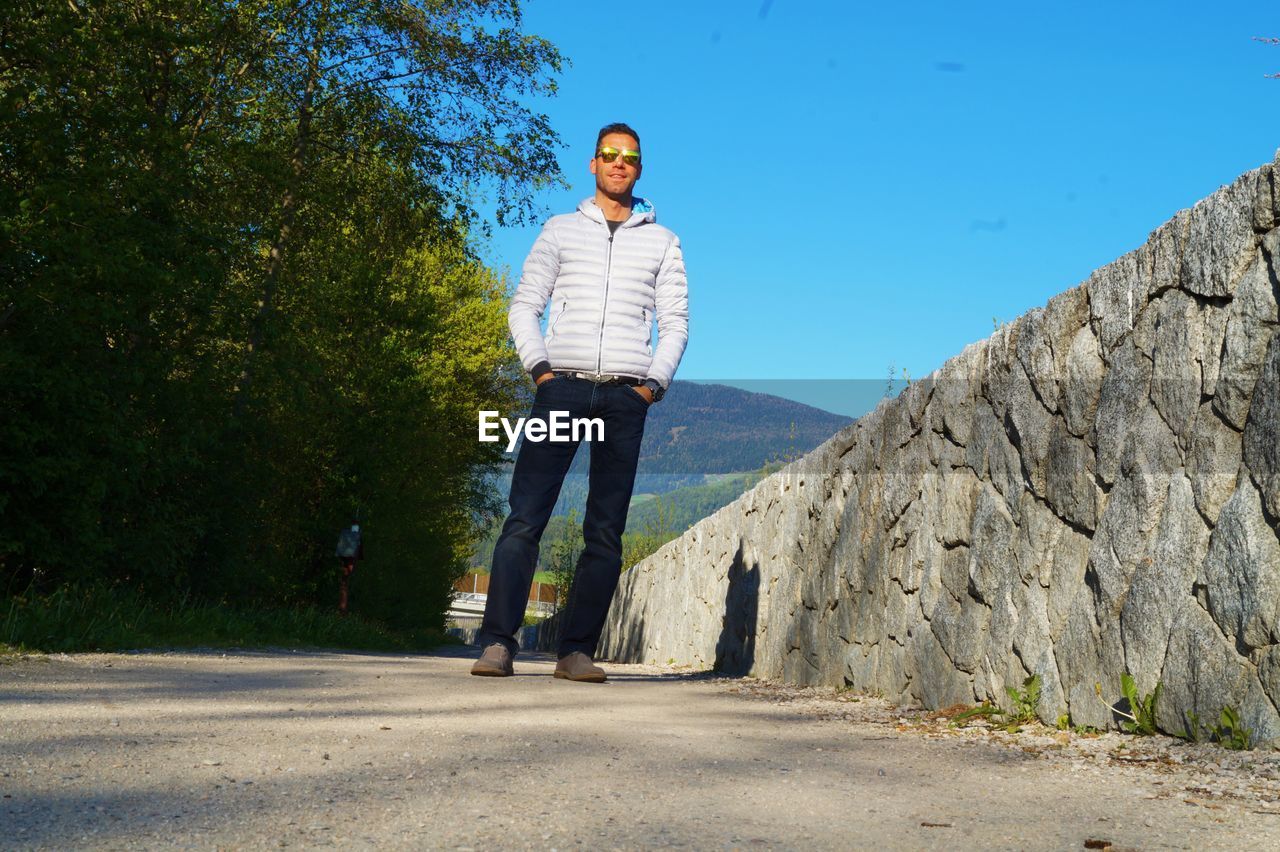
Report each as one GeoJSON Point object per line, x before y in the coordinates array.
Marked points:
{"type": "Point", "coordinates": [597, 378]}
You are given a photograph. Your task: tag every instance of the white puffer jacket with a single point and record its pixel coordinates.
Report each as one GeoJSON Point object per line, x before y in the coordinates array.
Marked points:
{"type": "Point", "coordinates": [605, 291]}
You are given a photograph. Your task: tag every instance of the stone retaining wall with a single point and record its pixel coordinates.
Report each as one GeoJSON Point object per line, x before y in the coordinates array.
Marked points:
{"type": "Point", "coordinates": [1093, 489]}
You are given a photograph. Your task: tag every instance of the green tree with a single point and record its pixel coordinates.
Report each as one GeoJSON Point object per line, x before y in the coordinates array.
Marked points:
{"type": "Point", "coordinates": [113, 251]}
{"type": "Point", "coordinates": [439, 87]}
{"type": "Point", "coordinates": [241, 304]}
{"type": "Point", "coordinates": [562, 551]}
{"type": "Point", "coordinates": [658, 530]}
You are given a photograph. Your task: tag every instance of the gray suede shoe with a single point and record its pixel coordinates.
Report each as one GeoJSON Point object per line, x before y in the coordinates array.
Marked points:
{"type": "Point", "coordinates": [494, 662]}
{"type": "Point", "coordinates": [577, 666]}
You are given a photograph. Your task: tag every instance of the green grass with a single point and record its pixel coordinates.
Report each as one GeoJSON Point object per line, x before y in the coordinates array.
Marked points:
{"type": "Point", "coordinates": [102, 618]}
{"type": "Point", "coordinates": [538, 576]}
{"type": "Point", "coordinates": [715, 478]}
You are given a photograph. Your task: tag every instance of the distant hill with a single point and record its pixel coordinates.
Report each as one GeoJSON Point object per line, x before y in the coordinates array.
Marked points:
{"type": "Point", "coordinates": [659, 516]}
{"type": "Point", "coordinates": [712, 428]}
{"type": "Point", "coordinates": [697, 435]}
{"type": "Point", "coordinates": [700, 429]}
{"type": "Point", "coordinates": [678, 510]}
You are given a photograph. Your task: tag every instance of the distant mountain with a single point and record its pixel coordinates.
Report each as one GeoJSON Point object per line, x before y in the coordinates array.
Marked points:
{"type": "Point", "coordinates": [699, 429]}
{"type": "Point", "coordinates": [712, 428]}
{"type": "Point", "coordinates": [660, 517]}
{"type": "Point", "coordinates": [693, 437]}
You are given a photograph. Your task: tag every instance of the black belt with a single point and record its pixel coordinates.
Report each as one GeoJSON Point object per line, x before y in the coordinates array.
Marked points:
{"type": "Point", "coordinates": [601, 378]}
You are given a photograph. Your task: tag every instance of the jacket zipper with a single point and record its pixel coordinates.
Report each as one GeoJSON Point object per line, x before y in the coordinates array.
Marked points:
{"type": "Point", "coordinates": [564, 306]}
{"type": "Point", "coordinates": [604, 302]}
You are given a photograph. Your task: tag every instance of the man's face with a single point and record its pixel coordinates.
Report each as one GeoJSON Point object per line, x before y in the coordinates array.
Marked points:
{"type": "Point", "coordinates": [617, 178]}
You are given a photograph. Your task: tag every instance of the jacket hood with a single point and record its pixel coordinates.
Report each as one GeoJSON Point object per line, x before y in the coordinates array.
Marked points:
{"type": "Point", "coordinates": [641, 211]}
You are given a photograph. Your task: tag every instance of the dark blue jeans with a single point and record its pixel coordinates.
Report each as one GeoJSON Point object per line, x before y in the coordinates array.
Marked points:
{"type": "Point", "coordinates": [540, 470]}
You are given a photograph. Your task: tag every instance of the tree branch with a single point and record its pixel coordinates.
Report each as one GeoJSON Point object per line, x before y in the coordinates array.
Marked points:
{"type": "Point", "coordinates": [374, 55]}
{"type": "Point", "coordinates": [384, 78]}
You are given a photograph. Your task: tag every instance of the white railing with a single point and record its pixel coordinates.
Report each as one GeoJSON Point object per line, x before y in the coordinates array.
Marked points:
{"type": "Point", "coordinates": [470, 604]}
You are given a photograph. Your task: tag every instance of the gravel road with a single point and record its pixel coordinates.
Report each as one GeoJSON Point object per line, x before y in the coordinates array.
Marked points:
{"type": "Point", "coordinates": [278, 748]}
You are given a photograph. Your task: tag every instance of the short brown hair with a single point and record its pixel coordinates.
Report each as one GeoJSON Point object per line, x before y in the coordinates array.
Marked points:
{"type": "Point", "coordinates": [616, 127]}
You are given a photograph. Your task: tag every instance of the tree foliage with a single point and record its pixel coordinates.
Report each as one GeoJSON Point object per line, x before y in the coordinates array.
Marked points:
{"type": "Point", "coordinates": [241, 306]}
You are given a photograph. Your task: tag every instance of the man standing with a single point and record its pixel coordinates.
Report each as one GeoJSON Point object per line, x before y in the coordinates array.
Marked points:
{"type": "Point", "coordinates": [610, 271]}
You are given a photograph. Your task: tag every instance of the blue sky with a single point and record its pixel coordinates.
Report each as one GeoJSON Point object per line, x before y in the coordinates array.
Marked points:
{"type": "Point", "coordinates": [858, 185]}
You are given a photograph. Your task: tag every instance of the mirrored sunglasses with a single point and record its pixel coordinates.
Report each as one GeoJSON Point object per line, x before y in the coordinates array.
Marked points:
{"type": "Point", "coordinates": [631, 158]}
